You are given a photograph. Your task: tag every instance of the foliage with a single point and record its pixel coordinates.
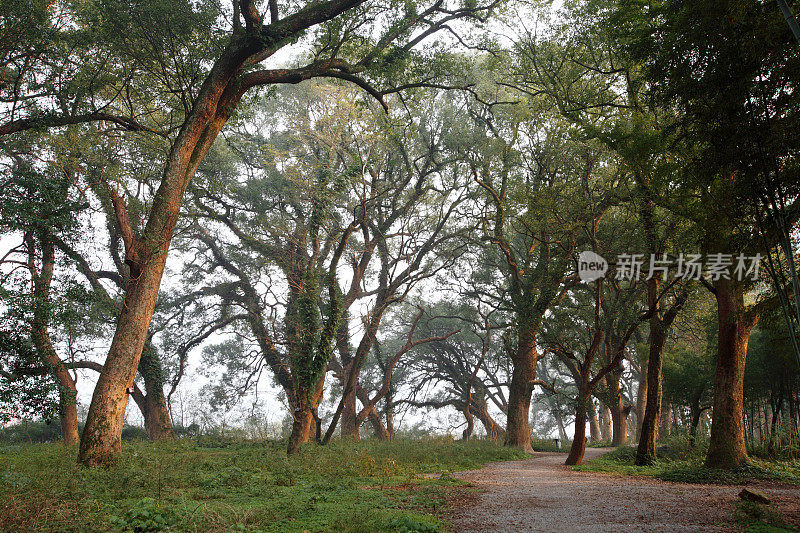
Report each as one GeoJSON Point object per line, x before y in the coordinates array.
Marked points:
{"type": "Point", "coordinates": [345, 486]}
{"type": "Point", "coordinates": [26, 389]}
{"type": "Point", "coordinates": [145, 516]}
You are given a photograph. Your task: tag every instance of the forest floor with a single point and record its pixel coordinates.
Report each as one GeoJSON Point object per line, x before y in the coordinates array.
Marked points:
{"type": "Point", "coordinates": [542, 494]}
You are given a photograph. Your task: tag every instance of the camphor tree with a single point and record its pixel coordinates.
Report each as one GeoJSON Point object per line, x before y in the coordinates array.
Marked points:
{"type": "Point", "coordinates": [543, 190]}
{"type": "Point", "coordinates": [466, 371]}
{"type": "Point", "coordinates": [179, 70]}
{"type": "Point", "coordinates": [736, 132]}
{"type": "Point", "coordinates": [51, 194]}
{"type": "Point", "coordinates": [339, 208]}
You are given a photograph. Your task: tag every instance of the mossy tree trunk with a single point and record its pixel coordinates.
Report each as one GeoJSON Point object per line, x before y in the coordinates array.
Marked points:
{"type": "Point", "coordinates": [727, 446]}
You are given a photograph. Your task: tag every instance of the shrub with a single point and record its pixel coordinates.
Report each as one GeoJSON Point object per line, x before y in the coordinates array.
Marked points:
{"type": "Point", "coordinates": [147, 515]}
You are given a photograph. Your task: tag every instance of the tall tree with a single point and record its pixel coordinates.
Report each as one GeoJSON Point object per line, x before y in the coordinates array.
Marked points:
{"type": "Point", "coordinates": [118, 63]}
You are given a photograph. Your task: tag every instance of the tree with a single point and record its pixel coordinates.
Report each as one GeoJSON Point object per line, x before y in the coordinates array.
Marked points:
{"type": "Point", "coordinates": [465, 370]}
{"type": "Point", "coordinates": [735, 127]}
{"type": "Point", "coordinates": [543, 189]}
{"type": "Point", "coordinates": [174, 55]}
{"type": "Point", "coordinates": [341, 183]}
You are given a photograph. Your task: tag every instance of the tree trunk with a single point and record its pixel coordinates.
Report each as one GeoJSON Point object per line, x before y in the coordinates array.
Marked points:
{"type": "Point", "coordinates": [467, 433]}
{"type": "Point", "coordinates": [40, 335]}
{"type": "Point", "coordinates": [578, 447]}
{"type": "Point", "coordinates": [389, 413]}
{"type": "Point", "coordinates": [305, 408]}
{"type": "Point", "coordinates": [727, 447]}
{"type": "Point", "coordinates": [641, 404]}
{"type": "Point", "coordinates": [157, 422]}
{"type": "Point", "coordinates": [349, 427]}
{"type": "Point", "coordinates": [695, 413]}
{"type": "Point", "coordinates": [619, 417]}
{"type": "Point", "coordinates": [619, 413]}
{"type": "Point", "coordinates": [594, 425]}
{"type": "Point", "coordinates": [518, 433]}
{"type": "Point", "coordinates": [646, 451]}
{"type": "Point", "coordinates": [68, 416]}
{"type": "Point", "coordinates": [301, 428]}
{"type": "Point", "coordinates": [494, 431]}
{"type": "Point", "coordinates": [146, 255]}
{"type": "Point", "coordinates": [381, 431]}
{"type": "Point", "coordinates": [101, 442]}
{"type": "Point", "coordinates": [605, 422]}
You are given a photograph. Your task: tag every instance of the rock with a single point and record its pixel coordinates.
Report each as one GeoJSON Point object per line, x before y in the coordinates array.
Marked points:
{"type": "Point", "coordinates": [754, 496]}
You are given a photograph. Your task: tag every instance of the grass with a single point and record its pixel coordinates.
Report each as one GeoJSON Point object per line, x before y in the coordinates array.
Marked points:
{"type": "Point", "coordinates": [758, 518]}
{"type": "Point", "coordinates": [193, 485]}
{"type": "Point", "coordinates": [549, 445]}
{"type": "Point", "coordinates": [685, 465]}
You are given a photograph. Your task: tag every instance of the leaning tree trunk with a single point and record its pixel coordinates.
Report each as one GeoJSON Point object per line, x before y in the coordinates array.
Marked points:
{"type": "Point", "coordinates": [101, 441]}
{"type": "Point", "coordinates": [518, 433]}
{"type": "Point", "coordinates": [146, 255]}
{"type": "Point", "coordinates": [494, 431]}
{"type": "Point", "coordinates": [727, 446]}
{"type": "Point", "coordinates": [641, 404]}
{"type": "Point", "coordinates": [578, 447]}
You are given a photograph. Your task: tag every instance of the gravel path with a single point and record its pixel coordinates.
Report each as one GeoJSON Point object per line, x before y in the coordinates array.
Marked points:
{"type": "Point", "coordinates": [541, 494]}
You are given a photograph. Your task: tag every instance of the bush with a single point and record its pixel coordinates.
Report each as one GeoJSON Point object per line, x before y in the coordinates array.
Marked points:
{"type": "Point", "coordinates": [134, 433]}
{"type": "Point", "coordinates": [146, 516]}
{"type": "Point", "coordinates": [28, 431]}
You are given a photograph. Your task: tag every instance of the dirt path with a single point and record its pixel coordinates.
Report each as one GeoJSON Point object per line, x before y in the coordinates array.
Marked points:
{"type": "Point", "coordinates": [541, 494]}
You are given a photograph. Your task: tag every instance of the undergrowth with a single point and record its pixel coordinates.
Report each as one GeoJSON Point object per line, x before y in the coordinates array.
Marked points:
{"type": "Point", "coordinates": [680, 462]}
{"type": "Point", "coordinates": [192, 485]}
{"type": "Point", "coordinates": [758, 518]}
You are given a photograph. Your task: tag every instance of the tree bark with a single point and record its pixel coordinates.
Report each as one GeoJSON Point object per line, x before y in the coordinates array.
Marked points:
{"type": "Point", "coordinates": [646, 451]}
{"type": "Point", "coordinates": [594, 425]}
{"type": "Point", "coordinates": [40, 334]}
{"type": "Point", "coordinates": [666, 419]}
{"type": "Point", "coordinates": [305, 408]}
{"type": "Point", "coordinates": [619, 417]}
{"type": "Point", "coordinates": [605, 422]}
{"type": "Point", "coordinates": [578, 447]}
{"type": "Point", "coordinates": [349, 413]}
{"type": "Point", "coordinates": [619, 412]}
{"type": "Point", "coordinates": [727, 446]}
{"type": "Point", "coordinates": [641, 404]}
{"type": "Point", "coordinates": [494, 431]}
{"type": "Point", "coordinates": [157, 421]}
{"type": "Point", "coordinates": [518, 433]}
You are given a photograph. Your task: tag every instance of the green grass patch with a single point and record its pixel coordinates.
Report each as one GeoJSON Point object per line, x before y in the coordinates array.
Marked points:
{"type": "Point", "coordinates": [687, 467]}
{"type": "Point", "coordinates": [549, 445]}
{"type": "Point", "coordinates": [193, 485]}
{"type": "Point", "coordinates": [758, 518]}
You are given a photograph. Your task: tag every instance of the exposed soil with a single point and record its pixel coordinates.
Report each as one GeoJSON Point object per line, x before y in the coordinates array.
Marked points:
{"type": "Point", "coordinates": [541, 494]}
